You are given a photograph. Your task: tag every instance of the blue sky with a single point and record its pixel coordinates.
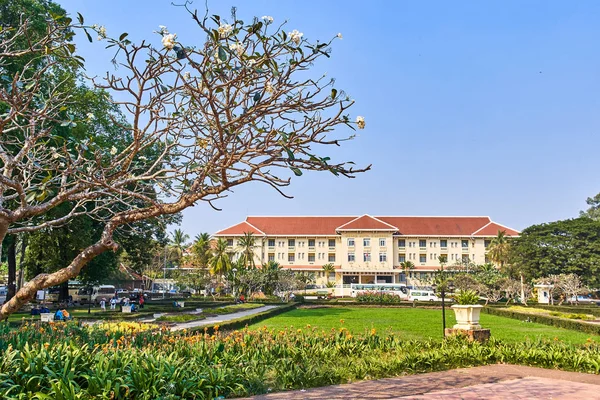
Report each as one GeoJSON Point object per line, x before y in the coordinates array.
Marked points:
{"type": "Point", "coordinates": [472, 108]}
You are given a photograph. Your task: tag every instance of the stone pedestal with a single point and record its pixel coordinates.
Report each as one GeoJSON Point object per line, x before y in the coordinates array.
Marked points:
{"type": "Point", "coordinates": [480, 335]}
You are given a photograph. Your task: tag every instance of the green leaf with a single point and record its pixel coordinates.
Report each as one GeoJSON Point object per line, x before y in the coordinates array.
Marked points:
{"type": "Point", "coordinates": [30, 197]}
{"type": "Point", "coordinates": [333, 93]}
{"type": "Point", "coordinates": [123, 36]}
{"type": "Point", "coordinates": [88, 36]}
{"type": "Point", "coordinates": [290, 153]}
{"type": "Point", "coordinates": [222, 54]}
{"type": "Point", "coordinates": [256, 97]}
{"type": "Point", "coordinates": [296, 171]}
{"type": "Point", "coordinates": [80, 18]}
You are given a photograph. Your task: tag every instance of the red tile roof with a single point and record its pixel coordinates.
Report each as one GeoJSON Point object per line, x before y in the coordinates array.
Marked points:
{"type": "Point", "coordinates": [328, 226]}
{"type": "Point", "coordinates": [298, 225]}
{"type": "Point", "coordinates": [437, 226]}
{"type": "Point", "coordinates": [240, 229]}
{"type": "Point", "coordinates": [308, 267]}
{"type": "Point", "coordinates": [492, 229]}
{"type": "Point", "coordinates": [366, 223]}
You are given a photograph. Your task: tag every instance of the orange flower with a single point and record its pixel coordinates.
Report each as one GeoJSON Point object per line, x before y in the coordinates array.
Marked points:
{"type": "Point", "coordinates": [341, 321]}
{"type": "Point", "coordinates": [373, 331]}
{"type": "Point", "coordinates": [46, 345]}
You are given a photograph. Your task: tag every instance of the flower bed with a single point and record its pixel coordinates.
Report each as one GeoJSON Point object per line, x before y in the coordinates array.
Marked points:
{"type": "Point", "coordinates": [70, 361]}
{"type": "Point", "coordinates": [545, 319]}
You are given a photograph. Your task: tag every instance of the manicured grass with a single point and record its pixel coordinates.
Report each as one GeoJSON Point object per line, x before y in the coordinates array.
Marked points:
{"type": "Point", "coordinates": [415, 323]}
{"type": "Point", "coordinates": [233, 308]}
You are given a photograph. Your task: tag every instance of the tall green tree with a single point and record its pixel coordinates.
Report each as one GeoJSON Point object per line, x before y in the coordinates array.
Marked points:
{"type": "Point", "coordinates": [327, 270]}
{"type": "Point", "coordinates": [594, 208]}
{"type": "Point", "coordinates": [246, 246]}
{"type": "Point", "coordinates": [220, 260]}
{"type": "Point", "coordinates": [178, 244]}
{"type": "Point", "coordinates": [499, 249]}
{"type": "Point", "coordinates": [563, 247]}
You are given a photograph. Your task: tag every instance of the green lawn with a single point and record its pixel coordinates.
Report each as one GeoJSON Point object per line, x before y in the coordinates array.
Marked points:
{"type": "Point", "coordinates": [415, 323]}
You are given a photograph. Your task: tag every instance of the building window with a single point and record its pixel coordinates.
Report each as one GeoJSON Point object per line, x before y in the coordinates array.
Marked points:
{"type": "Point", "coordinates": [230, 242]}
{"type": "Point", "coordinates": [465, 244]}
{"type": "Point", "coordinates": [381, 242]}
{"type": "Point", "coordinates": [486, 243]}
{"type": "Point", "coordinates": [382, 257]}
{"type": "Point", "coordinates": [271, 256]}
{"type": "Point", "coordinates": [443, 243]}
{"type": "Point", "coordinates": [291, 257]}
{"type": "Point", "coordinates": [401, 258]}
{"type": "Point", "coordinates": [350, 242]}
{"type": "Point", "coordinates": [311, 242]}
{"type": "Point", "coordinates": [402, 243]}
{"type": "Point", "coordinates": [422, 243]}
{"type": "Point", "coordinates": [331, 258]}
{"type": "Point", "coordinates": [422, 258]}
{"type": "Point", "coordinates": [271, 242]}
{"type": "Point", "coordinates": [311, 257]}
{"type": "Point", "coordinates": [367, 242]}
{"type": "Point", "coordinates": [291, 242]}
{"type": "Point", "coordinates": [331, 242]}
{"type": "Point", "coordinates": [366, 257]}
{"type": "Point", "coordinates": [351, 257]}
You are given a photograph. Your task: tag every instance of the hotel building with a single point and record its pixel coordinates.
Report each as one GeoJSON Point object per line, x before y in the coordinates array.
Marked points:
{"type": "Point", "coordinates": [366, 249]}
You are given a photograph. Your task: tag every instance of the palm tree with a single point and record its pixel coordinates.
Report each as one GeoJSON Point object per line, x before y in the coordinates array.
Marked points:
{"type": "Point", "coordinates": [328, 269]}
{"type": "Point", "coordinates": [178, 239]}
{"type": "Point", "coordinates": [201, 249]}
{"type": "Point", "coordinates": [246, 247]}
{"type": "Point", "coordinates": [406, 267]}
{"type": "Point", "coordinates": [305, 278]}
{"type": "Point", "coordinates": [220, 260]}
{"type": "Point", "coordinates": [270, 271]}
{"type": "Point", "coordinates": [498, 249]}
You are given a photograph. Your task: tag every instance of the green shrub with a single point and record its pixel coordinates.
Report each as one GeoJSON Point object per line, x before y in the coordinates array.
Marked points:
{"type": "Point", "coordinates": [180, 318]}
{"type": "Point", "coordinates": [545, 319]}
{"type": "Point", "coordinates": [466, 297]}
{"type": "Point", "coordinates": [68, 361]}
{"type": "Point", "coordinates": [375, 297]}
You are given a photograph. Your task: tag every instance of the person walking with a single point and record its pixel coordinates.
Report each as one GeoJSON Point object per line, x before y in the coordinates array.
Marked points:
{"type": "Point", "coordinates": [103, 304]}
{"type": "Point", "coordinates": [113, 303]}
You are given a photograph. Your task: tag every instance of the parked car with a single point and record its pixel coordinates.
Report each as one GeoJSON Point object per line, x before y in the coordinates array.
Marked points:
{"type": "Point", "coordinates": [586, 299]}
{"type": "Point", "coordinates": [424, 295]}
{"type": "Point", "coordinates": [3, 292]}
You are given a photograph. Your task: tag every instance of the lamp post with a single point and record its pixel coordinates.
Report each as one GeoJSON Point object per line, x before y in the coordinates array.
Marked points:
{"type": "Point", "coordinates": [443, 286]}
{"type": "Point", "coordinates": [233, 284]}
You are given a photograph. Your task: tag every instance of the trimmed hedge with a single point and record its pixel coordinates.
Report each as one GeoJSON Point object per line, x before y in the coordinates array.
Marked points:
{"type": "Point", "coordinates": [594, 310]}
{"type": "Point", "coordinates": [546, 320]}
{"type": "Point", "coordinates": [249, 320]}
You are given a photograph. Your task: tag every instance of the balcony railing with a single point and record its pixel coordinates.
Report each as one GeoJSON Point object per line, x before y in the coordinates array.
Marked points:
{"type": "Point", "coordinates": [465, 249]}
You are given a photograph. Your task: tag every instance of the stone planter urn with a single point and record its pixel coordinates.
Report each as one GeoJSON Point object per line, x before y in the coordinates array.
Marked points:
{"type": "Point", "coordinates": [467, 316]}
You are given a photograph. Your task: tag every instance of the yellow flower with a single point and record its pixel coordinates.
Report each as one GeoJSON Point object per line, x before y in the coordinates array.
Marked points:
{"type": "Point", "coordinates": [341, 321]}
{"type": "Point", "coordinates": [373, 331]}
{"type": "Point", "coordinates": [46, 345]}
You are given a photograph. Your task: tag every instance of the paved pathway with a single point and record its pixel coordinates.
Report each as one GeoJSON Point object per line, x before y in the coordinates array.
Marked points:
{"type": "Point", "coordinates": [220, 318]}
{"type": "Point", "coordinates": [492, 382]}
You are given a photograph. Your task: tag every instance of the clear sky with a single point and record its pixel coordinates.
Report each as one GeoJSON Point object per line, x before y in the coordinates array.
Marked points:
{"type": "Point", "coordinates": [472, 107]}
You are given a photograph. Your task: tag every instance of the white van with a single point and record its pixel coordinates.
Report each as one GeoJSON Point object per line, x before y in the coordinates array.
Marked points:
{"type": "Point", "coordinates": [106, 291]}
{"type": "Point", "coordinates": [422, 295]}
{"type": "Point", "coordinates": [3, 293]}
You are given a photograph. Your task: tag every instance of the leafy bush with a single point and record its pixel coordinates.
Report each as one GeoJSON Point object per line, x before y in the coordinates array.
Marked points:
{"type": "Point", "coordinates": [545, 319]}
{"type": "Point", "coordinates": [378, 297]}
{"type": "Point", "coordinates": [466, 297]}
{"type": "Point", "coordinates": [180, 318]}
{"type": "Point", "coordinates": [70, 361]}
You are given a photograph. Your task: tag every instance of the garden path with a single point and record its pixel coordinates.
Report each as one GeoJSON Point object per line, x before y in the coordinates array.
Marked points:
{"type": "Point", "coordinates": [218, 319]}
{"type": "Point", "coordinates": [488, 382]}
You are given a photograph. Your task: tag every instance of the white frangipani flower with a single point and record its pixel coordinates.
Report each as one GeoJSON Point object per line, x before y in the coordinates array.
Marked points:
{"type": "Point", "coordinates": [186, 75]}
{"type": "Point", "coordinates": [143, 158]}
{"type": "Point", "coordinates": [225, 30]}
{"type": "Point", "coordinates": [339, 36]}
{"type": "Point", "coordinates": [101, 33]}
{"type": "Point", "coordinates": [295, 36]}
{"type": "Point", "coordinates": [251, 63]}
{"type": "Point", "coordinates": [169, 40]}
{"type": "Point", "coordinates": [90, 116]}
{"type": "Point", "coordinates": [163, 29]}
{"type": "Point", "coordinates": [237, 47]}
{"type": "Point", "coordinates": [267, 19]}
{"type": "Point", "coordinates": [360, 122]}
{"type": "Point", "coordinates": [113, 151]}
{"type": "Point", "coordinates": [269, 87]}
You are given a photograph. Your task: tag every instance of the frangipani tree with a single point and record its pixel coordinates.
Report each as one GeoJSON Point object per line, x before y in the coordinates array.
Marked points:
{"type": "Point", "coordinates": [201, 119]}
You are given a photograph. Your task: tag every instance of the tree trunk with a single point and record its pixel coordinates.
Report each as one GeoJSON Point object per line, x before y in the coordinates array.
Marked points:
{"type": "Point", "coordinates": [21, 258]}
{"type": "Point", "coordinates": [63, 295]}
{"type": "Point", "coordinates": [11, 254]}
{"type": "Point", "coordinates": [42, 281]}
